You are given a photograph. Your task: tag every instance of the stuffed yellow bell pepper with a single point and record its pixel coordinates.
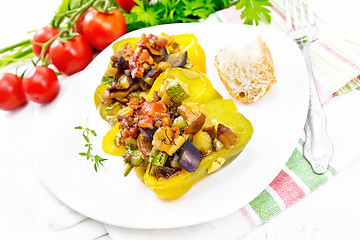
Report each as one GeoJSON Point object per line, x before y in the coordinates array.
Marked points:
{"type": "Point", "coordinates": [137, 62]}
{"type": "Point", "coordinates": [180, 134]}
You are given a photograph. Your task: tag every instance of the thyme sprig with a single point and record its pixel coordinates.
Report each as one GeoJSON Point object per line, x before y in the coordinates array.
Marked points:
{"type": "Point", "coordinates": [96, 159]}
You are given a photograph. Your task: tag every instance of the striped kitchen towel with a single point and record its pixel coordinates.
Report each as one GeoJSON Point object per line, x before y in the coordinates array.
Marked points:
{"type": "Point", "coordinates": [336, 63]}
{"type": "Point", "coordinates": [336, 69]}
{"type": "Point", "coordinates": [293, 183]}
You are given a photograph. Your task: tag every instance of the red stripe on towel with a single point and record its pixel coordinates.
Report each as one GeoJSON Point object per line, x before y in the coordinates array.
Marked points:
{"type": "Point", "coordinates": [280, 13]}
{"type": "Point", "coordinates": [248, 218]}
{"type": "Point", "coordinates": [287, 188]}
{"type": "Point", "coordinates": [338, 55]}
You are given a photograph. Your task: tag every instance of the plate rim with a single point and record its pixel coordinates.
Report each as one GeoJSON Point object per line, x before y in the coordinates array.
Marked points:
{"type": "Point", "coordinates": [270, 177]}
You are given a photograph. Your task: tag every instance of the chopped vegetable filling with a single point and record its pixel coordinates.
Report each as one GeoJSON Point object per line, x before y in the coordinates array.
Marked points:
{"type": "Point", "coordinates": [177, 132]}
{"type": "Point", "coordinates": [161, 134]}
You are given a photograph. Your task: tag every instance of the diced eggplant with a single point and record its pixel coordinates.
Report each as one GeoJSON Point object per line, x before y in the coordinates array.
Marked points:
{"type": "Point", "coordinates": [162, 172]}
{"type": "Point", "coordinates": [156, 96]}
{"type": "Point", "coordinates": [190, 157]}
{"type": "Point", "coordinates": [152, 131]}
{"type": "Point", "coordinates": [196, 124]}
{"type": "Point", "coordinates": [212, 132]}
{"type": "Point", "coordinates": [186, 113]}
{"type": "Point", "coordinates": [226, 136]}
{"type": "Point", "coordinates": [174, 161]}
{"type": "Point", "coordinates": [151, 75]}
{"type": "Point", "coordinates": [164, 53]}
{"type": "Point", "coordinates": [115, 84]}
{"type": "Point", "coordinates": [177, 59]}
{"type": "Point", "coordinates": [143, 85]}
{"type": "Point", "coordinates": [121, 61]}
{"type": "Point", "coordinates": [106, 98]}
{"type": "Point", "coordinates": [119, 94]}
{"type": "Point", "coordinates": [114, 58]}
{"type": "Point", "coordinates": [120, 67]}
{"type": "Point", "coordinates": [122, 82]}
{"type": "Point", "coordinates": [144, 142]}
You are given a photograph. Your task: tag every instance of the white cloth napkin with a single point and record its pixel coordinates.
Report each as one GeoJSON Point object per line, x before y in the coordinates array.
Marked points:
{"type": "Point", "coordinates": [58, 217]}
{"type": "Point", "coordinates": [65, 222]}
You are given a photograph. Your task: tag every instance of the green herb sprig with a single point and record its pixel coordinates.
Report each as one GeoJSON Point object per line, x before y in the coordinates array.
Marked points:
{"type": "Point", "coordinates": [97, 160]}
{"type": "Point", "coordinates": [254, 10]}
{"type": "Point", "coordinates": [183, 11]}
{"type": "Point", "coordinates": [171, 11]}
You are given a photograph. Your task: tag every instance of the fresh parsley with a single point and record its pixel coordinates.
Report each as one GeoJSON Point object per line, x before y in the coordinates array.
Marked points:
{"type": "Point", "coordinates": [96, 159]}
{"type": "Point", "coordinates": [254, 10]}
{"type": "Point", "coordinates": [182, 11]}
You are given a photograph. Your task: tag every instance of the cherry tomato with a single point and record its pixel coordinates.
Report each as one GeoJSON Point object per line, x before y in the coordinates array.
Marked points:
{"type": "Point", "coordinates": [126, 5]}
{"type": "Point", "coordinates": [41, 84]}
{"type": "Point", "coordinates": [72, 55]}
{"type": "Point", "coordinates": [101, 29]}
{"type": "Point", "coordinates": [11, 92]}
{"type": "Point", "coordinates": [43, 35]}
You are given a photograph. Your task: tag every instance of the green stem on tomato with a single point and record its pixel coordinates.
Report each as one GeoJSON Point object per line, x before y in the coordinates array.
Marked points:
{"type": "Point", "coordinates": [46, 45]}
{"type": "Point", "coordinates": [59, 18]}
{"type": "Point", "coordinates": [67, 32]}
{"type": "Point", "coordinates": [77, 14]}
{"type": "Point", "coordinates": [107, 6]}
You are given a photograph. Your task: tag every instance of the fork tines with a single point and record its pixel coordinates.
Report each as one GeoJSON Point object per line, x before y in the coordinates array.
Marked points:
{"type": "Point", "coordinates": [299, 14]}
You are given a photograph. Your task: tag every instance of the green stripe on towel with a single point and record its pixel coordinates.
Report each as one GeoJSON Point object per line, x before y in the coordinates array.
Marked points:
{"type": "Point", "coordinates": [265, 206]}
{"type": "Point", "coordinates": [301, 142]}
{"type": "Point", "coordinates": [218, 17]}
{"type": "Point", "coordinates": [332, 170]}
{"type": "Point", "coordinates": [301, 167]}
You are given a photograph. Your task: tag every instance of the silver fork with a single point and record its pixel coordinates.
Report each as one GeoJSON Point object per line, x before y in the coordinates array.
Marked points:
{"type": "Point", "coordinates": [318, 148]}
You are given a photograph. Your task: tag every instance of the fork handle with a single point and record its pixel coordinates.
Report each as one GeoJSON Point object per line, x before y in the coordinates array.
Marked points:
{"type": "Point", "coordinates": [318, 148]}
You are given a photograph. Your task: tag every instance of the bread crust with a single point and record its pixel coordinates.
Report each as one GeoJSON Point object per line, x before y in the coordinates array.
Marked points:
{"type": "Point", "coordinates": [240, 88]}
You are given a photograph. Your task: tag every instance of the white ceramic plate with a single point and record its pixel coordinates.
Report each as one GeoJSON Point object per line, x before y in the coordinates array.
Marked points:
{"type": "Point", "coordinates": [107, 196]}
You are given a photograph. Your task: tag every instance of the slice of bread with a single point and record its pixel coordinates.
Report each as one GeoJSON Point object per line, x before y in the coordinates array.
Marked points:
{"type": "Point", "coordinates": [247, 73]}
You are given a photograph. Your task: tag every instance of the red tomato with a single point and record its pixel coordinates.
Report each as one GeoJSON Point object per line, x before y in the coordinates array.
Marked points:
{"type": "Point", "coordinates": [101, 29]}
{"type": "Point", "coordinates": [11, 92]}
{"type": "Point", "coordinates": [41, 84]}
{"type": "Point", "coordinates": [72, 55]}
{"type": "Point", "coordinates": [127, 5]}
{"type": "Point", "coordinates": [43, 35]}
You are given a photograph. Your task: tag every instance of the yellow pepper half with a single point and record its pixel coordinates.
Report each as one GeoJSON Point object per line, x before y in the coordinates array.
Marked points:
{"type": "Point", "coordinates": [199, 85]}
{"type": "Point", "coordinates": [217, 110]}
{"type": "Point", "coordinates": [196, 55]}
{"type": "Point", "coordinates": [187, 42]}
